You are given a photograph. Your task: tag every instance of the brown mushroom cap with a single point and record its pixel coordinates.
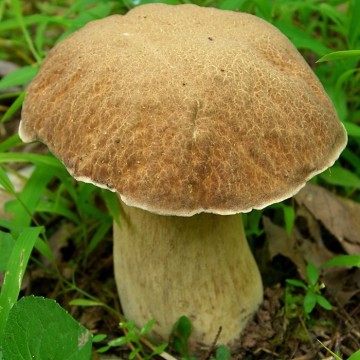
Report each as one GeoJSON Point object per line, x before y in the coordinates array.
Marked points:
{"type": "Point", "coordinates": [183, 109]}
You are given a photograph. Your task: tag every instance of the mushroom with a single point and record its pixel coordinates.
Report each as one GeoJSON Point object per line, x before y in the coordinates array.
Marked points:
{"type": "Point", "coordinates": [193, 116]}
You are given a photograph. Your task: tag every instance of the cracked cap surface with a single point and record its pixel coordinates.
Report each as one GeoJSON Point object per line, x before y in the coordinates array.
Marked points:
{"type": "Point", "coordinates": [183, 109]}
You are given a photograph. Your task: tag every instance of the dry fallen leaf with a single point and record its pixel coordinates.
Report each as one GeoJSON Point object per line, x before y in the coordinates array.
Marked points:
{"type": "Point", "coordinates": [342, 283]}
{"type": "Point", "coordinates": [305, 245]}
{"type": "Point", "coordinates": [281, 243]}
{"type": "Point", "coordinates": [341, 217]}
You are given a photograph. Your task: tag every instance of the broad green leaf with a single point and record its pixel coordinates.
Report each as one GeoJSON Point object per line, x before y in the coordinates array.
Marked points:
{"type": "Point", "coordinates": [18, 77]}
{"type": "Point", "coordinates": [344, 260]}
{"type": "Point", "coordinates": [183, 327]}
{"type": "Point", "coordinates": [7, 244]}
{"type": "Point", "coordinates": [14, 274]}
{"type": "Point", "coordinates": [355, 356]}
{"type": "Point", "coordinates": [340, 55]}
{"type": "Point", "coordinates": [180, 335]}
{"type": "Point", "coordinates": [38, 328]}
{"type": "Point", "coordinates": [222, 353]}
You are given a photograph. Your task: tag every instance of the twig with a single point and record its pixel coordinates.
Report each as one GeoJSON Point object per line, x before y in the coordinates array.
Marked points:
{"type": "Point", "coordinates": [213, 345]}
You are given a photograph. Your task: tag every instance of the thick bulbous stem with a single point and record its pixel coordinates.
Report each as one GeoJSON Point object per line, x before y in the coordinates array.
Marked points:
{"type": "Point", "coordinates": [199, 266]}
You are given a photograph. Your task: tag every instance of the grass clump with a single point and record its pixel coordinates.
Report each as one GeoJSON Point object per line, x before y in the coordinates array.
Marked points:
{"type": "Point", "coordinates": [44, 207]}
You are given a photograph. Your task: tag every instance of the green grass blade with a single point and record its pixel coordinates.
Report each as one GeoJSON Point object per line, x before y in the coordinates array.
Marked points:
{"type": "Point", "coordinates": [113, 204]}
{"type": "Point", "coordinates": [18, 77]}
{"type": "Point", "coordinates": [85, 302]}
{"type": "Point", "coordinates": [289, 217]}
{"type": "Point", "coordinates": [30, 196]}
{"type": "Point", "coordinates": [352, 129]}
{"type": "Point", "coordinates": [7, 244]}
{"type": "Point", "coordinates": [341, 177]}
{"type": "Point", "coordinates": [14, 107]}
{"type": "Point", "coordinates": [13, 228]}
{"type": "Point", "coordinates": [337, 357]}
{"type": "Point", "coordinates": [340, 55]}
{"type": "Point", "coordinates": [16, 4]}
{"type": "Point", "coordinates": [56, 208]}
{"type": "Point", "coordinates": [344, 260]}
{"type": "Point", "coordinates": [9, 143]}
{"type": "Point", "coordinates": [36, 159]}
{"type": "Point", "coordinates": [15, 272]}
{"type": "Point", "coordinates": [354, 26]}
{"type": "Point", "coordinates": [101, 231]}
{"type": "Point", "coordinates": [30, 20]}
{"type": "Point", "coordinates": [5, 182]}
{"type": "Point", "coordinates": [231, 4]}
{"type": "Point", "coordinates": [301, 39]}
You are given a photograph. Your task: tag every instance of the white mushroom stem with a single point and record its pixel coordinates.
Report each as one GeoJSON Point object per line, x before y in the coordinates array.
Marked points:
{"type": "Point", "coordinates": [199, 266]}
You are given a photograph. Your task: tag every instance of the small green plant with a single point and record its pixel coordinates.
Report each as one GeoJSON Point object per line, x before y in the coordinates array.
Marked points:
{"type": "Point", "coordinates": [222, 353]}
{"type": "Point", "coordinates": [133, 338]}
{"type": "Point", "coordinates": [179, 341]}
{"type": "Point", "coordinates": [312, 289]}
{"type": "Point", "coordinates": [179, 338]}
